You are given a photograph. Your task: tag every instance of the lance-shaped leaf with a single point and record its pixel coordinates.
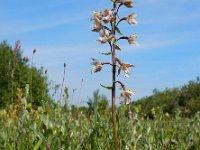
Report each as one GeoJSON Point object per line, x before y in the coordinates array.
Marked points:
{"type": "Point", "coordinates": [107, 87]}
{"type": "Point", "coordinates": [118, 30]}
{"type": "Point", "coordinates": [39, 143]}
{"type": "Point", "coordinates": [109, 53]}
{"type": "Point", "coordinates": [117, 47]}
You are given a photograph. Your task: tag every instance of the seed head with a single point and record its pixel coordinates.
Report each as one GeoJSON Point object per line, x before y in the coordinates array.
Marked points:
{"type": "Point", "coordinates": [17, 46]}
{"type": "Point", "coordinates": [46, 71]}
{"type": "Point", "coordinates": [34, 51]}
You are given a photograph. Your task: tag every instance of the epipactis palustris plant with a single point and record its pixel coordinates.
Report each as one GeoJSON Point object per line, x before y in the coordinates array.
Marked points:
{"type": "Point", "coordinates": [106, 24]}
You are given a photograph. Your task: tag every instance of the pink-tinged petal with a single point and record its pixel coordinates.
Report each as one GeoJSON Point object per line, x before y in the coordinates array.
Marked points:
{"type": "Point", "coordinates": [131, 18]}
{"type": "Point", "coordinates": [125, 67]}
{"type": "Point", "coordinates": [97, 66]}
{"type": "Point", "coordinates": [96, 15]}
{"type": "Point", "coordinates": [131, 40]}
{"type": "Point", "coordinates": [107, 16]}
{"type": "Point", "coordinates": [126, 96]}
{"type": "Point", "coordinates": [128, 3]}
{"type": "Point", "coordinates": [96, 27]}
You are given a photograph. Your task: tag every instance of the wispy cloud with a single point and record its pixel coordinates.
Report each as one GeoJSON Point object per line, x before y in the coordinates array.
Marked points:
{"type": "Point", "coordinates": [153, 42]}
{"type": "Point", "coordinates": [62, 53]}
{"type": "Point", "coordinates": [22, 26]}
{"type": "Point", "coordinates": [172, 19]}
{"type": "Point", "coordinates": [26, 16]}
{"type": "Point", "coordinates": [146, 2]}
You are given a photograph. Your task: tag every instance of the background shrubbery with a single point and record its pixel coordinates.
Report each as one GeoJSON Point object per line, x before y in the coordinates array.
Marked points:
{"type": "Point", "coordinates": [23, 74]}
{"type": "Point", "coordinates": [185, 98]}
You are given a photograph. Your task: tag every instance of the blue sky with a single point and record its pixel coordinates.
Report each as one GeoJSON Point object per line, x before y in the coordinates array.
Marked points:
{"type": "Point", "coordinates": [168, 34]}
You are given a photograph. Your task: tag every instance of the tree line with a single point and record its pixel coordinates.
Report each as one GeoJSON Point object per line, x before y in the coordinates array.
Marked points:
{"type": "Point", "coordinates": [185, 98]}
{"type": "Point", "coordinates": [17, 74]}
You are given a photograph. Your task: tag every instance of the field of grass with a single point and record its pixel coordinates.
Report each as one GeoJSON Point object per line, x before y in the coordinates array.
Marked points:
{"type": "Point", "coordinates": [64, 127]}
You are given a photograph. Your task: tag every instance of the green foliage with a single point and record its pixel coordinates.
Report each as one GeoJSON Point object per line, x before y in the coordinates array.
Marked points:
{"type": "Point", "coordinates": [98, 103]}
{"type": "Point", "coordinates": [15, 73]}
{"type": "Point", "coordinates": [186, 99]}
{"type": "Point", "coordinates": [70, 128]}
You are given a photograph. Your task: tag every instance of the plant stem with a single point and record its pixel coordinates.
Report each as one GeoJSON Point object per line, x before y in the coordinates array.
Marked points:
{"type": "Point", "coordinates": [113, 100]}
{"type": "Point", "coordinates": [31, 83]}
{"type": "Point", "coordinates": [79, 95]}
{"type": "Point", "coordinates": [62, 82]}
{"type": "Point", "coordinates": [12, 76]}
{"type": "Point", "coordinates": [44, 91]}
{"type": "Point", "coordinates": [113, 85]}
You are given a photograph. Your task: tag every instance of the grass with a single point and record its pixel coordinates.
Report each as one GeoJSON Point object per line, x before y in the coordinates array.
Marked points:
{"type": "Point", "coordinates": [66, 127]}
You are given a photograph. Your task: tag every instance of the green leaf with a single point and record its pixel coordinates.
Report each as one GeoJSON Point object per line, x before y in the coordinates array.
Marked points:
{"type": "Point", "coordinates": [48, 132]}
{"type": "Point", "coordinates": [9, 146]}
{"type": "Point", "coordinates": [109, 53]}
{"type": "Point", "coordinates": [117, 29]}
{"type": "Point", "coordinates": [107, 87]}
{"type": "Point", "coordinates": [118, 17]}
{"type": "Point", "coordinates": [117, 47]}
{"type": "Point", "coordinates": [174, 141]}
{"type": "Point", "coordinates": [37, 146]}
{"type": "Point", "coordinates": [114, 40]}
{"type": "Point", "coordinates": [115, 1]}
